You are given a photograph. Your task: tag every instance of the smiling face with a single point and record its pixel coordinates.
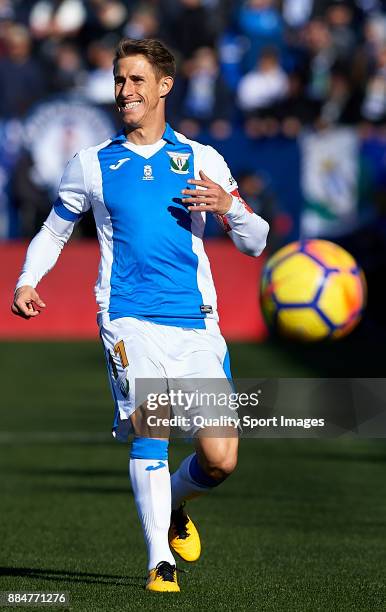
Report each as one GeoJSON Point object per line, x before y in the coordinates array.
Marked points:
{"type": "Point", "coordinates": [140, 92]}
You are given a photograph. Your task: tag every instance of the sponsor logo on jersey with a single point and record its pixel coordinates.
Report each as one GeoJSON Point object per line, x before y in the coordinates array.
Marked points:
{"type": "Point", "coordinates": [179, 162]}
{"type": "Point", "coordinates": [232, 181]}
{"type": "Point", "coordinates": [205, 308]}
{"type": "Point", "coordinates": [147, 173]}
{"type": "Point", "coordinates": [119, 163]}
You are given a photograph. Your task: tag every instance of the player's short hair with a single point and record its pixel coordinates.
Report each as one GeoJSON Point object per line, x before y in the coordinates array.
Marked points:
{"type": "Point", "coordinates": [156, 53]}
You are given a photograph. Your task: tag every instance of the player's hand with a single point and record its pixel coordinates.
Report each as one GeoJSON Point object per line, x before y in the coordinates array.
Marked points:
{"type": "Point", "coordinates": [27, 303]}
{"type": "Point", "coordinates": [211, 198]}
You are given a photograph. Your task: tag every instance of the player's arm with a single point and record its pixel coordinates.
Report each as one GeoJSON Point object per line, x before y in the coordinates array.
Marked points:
{"type": "Point", "coordinates": [46, 246]}
{"type": "Point", "coordinates": [219, 195]}
{"type": "Point", "coordinates": [42, 255]}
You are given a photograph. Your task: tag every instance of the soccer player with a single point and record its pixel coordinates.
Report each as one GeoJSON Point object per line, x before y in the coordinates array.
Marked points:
{"type": "Point", "coordinates": [150, 188]}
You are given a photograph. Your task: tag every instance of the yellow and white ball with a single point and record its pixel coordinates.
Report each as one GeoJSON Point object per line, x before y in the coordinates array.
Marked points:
{"type": "Point", "coordinates": [312, 290]}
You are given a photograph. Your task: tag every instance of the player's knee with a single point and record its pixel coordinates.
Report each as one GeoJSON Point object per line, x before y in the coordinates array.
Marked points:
{"type": "Point", "coordinates": [219, 456]}
{"type": "Point", "coordinates": [222, 466]}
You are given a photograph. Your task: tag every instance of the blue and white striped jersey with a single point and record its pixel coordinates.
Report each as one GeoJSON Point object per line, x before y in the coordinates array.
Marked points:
{"type": "Point", "coordinates": [153, 264]}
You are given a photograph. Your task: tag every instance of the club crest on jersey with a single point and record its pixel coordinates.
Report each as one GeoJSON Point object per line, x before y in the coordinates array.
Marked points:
{"type": "Point", "coordinates": [147, 173]}
{"type": "Point", "coordinates": [179, 162]}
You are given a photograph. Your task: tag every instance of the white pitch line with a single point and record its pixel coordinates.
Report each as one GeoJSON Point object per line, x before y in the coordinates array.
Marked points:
{"type": "Point", "coordinates": [50, 437]}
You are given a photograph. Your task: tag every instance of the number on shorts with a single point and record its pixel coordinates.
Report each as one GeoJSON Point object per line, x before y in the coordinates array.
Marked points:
{"type": "Point", "coordinates": [119, 349]}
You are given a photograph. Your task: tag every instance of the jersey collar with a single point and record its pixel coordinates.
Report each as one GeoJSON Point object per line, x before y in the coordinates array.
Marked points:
{"type": "Point", "coordinates": [168, 135]}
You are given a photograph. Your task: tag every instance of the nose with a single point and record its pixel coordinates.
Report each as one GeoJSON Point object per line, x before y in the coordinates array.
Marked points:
{"type": "Point", "coordinates": [128, 89]}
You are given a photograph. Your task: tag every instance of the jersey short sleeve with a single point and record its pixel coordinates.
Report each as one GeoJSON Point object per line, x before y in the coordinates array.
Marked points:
{"type": "Point", "coordinates": [73, 199]}
{"type": "Point", "coordinates": [216, 168]}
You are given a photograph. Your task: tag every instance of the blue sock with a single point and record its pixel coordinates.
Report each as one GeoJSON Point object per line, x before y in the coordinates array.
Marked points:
{"type": "Point", "coordinates": [190, 480]}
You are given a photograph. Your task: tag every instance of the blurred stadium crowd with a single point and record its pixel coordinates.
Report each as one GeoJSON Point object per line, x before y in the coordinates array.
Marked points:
{"type": "Point", "coordinates": [292, 92]}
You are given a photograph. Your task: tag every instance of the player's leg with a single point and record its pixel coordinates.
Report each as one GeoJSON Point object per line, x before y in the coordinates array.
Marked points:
{"type": "Point", "coordinates": [216, 450]}
{"type": "Point", "coordinates": [150, 481]}
{"type": "Point", "coordinates": [214, 460]}
{"type": "Point", "coordinates": [126, 344]}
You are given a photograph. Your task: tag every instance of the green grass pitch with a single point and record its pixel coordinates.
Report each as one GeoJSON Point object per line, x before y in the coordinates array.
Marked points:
{"type": "Point", "coordinates": [299, 527]}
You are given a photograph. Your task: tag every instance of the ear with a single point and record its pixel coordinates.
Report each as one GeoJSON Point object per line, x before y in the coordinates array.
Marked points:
{"type": "Point", "coordinates": [166, 83]}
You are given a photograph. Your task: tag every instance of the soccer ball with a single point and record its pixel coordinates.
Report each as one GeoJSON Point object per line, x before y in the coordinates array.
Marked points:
{"type": "Point", "coordinates": [311, 290]}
